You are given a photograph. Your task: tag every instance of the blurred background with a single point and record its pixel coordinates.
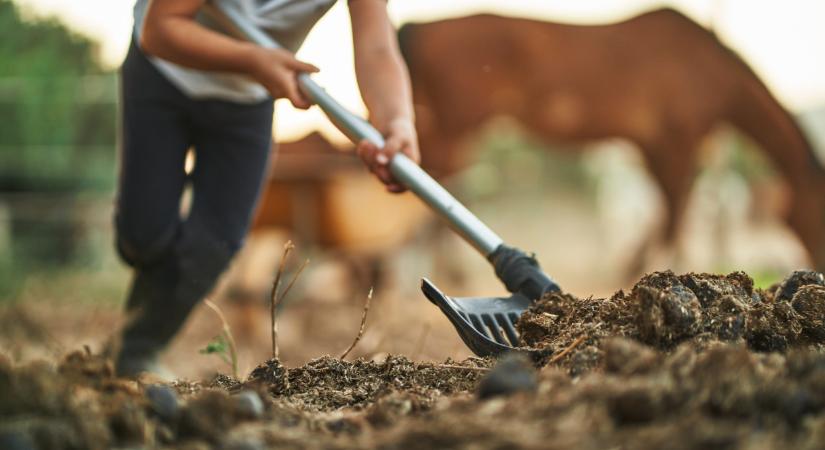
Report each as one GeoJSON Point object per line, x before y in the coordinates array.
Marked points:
{"type": "Point", "coordinates": [588, 209]}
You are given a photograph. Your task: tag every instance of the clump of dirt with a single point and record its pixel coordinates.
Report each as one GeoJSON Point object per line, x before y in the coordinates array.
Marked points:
{"type": "Point", "coordinates": [663, 310]}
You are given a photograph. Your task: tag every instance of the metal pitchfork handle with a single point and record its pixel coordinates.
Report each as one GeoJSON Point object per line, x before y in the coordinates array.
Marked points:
{"type": "Point", "coordinates": [519, 272]}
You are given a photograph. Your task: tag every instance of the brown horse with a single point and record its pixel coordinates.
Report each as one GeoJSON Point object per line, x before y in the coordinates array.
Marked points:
{"type": "Point", "coordinates": [659, 80]}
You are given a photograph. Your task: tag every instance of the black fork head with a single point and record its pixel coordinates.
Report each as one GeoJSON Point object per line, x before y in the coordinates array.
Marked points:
{"type": "Point", "coordinates": [486, 324]}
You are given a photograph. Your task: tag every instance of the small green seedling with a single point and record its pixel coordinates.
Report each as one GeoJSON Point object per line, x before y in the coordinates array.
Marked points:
{"type": "Point", "coordinates": [218, 346]}
{"type": "Point", "coordinates": [223, 344]}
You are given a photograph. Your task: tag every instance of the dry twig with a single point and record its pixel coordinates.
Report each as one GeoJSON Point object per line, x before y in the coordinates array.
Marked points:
{"type": "Point", "coordinates": [293, 280]}
{"type": "Point", "coordinates": [363, 325]}
{"type": "Point", "coordinates": [274, 299]}
{"type": "Point", "coordinates": [569, 349]}
{"type": "Point", "coordinates": [451, 366]}
{"type": "Point", "coordinates": [227, 332]}
{"type": "Point", "coordinates": [278, 302]}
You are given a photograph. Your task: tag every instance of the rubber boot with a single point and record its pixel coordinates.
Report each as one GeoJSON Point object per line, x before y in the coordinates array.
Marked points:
{"type": "Point", "coordinates": [162, 296]}
{"type": "Point", "coordinates": [142, 340]}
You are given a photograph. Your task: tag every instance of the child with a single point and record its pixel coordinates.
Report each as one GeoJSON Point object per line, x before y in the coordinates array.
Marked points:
{"type": "Point", "coordinates": [186, 83]}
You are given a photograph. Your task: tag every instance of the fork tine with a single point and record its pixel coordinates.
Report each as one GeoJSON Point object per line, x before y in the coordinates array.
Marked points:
{"type": "Point", "coordinates": [507, 326]}
{"type": "Point", "coordinates": [479, 326]}
{"type": "Point", "coordinates": [513, 317]}
{"type": "Point", "coordinates": [493, 326]}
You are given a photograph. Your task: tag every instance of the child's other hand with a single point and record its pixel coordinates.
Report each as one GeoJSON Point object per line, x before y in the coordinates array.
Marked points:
{"type": "Point", "coordinates": [400, 137]}
{"type": "Point", "coordinates": [277, 70]}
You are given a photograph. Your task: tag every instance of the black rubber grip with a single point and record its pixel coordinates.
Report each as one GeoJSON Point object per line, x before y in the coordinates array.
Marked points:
{"type": "Point", "coordinates": [521, 273]}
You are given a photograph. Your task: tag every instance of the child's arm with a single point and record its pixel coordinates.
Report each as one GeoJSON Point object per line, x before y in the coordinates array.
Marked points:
{"type": "Point", "coordinates": [170, 32]}
{"type": "Point", "coordinates": [385, 87]}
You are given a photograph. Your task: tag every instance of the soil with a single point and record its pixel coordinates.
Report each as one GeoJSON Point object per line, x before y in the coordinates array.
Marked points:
{"type": "Point", "coordinates": [680, 361]}
{"type": "Point", "coordinates": [664, 310]}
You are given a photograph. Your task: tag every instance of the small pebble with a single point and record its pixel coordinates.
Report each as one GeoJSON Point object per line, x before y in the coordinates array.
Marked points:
{"type": "Point", "coordinates": [249, 405]}
{"type": "Point", "coordinates": [513, 373]}
{"type": "Point", "coordinates": [164, 401]}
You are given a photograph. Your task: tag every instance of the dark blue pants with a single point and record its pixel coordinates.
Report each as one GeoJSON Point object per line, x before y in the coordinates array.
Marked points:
{"type": "Point", "coordinates": [177, 259]}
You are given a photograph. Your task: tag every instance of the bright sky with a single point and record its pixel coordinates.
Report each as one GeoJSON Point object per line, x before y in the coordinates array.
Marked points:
{"type": "Point", "coordinates": [779, 39]}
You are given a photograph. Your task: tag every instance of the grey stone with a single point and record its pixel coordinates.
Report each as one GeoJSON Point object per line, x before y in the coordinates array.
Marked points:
{"type": "Point", "coordinates": [164, 401]}
{"type": "Point", "coordinates": [249, 405]}
{"type": "Point", "coordinates": [513, 373]}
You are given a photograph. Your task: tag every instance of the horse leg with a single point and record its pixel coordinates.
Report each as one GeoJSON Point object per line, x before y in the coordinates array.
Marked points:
{"type": "Point", "coordinates": [672, 167]}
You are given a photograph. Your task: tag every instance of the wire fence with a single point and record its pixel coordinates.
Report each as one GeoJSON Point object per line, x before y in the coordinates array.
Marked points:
{"type": "Point", "coordinates": [57, 174]}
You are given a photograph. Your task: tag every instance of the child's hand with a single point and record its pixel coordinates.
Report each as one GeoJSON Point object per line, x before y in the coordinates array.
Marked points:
{"type": "Point", "coordinates": [400, 137]}
{"type": "Point", "coordinates": [277, 70]}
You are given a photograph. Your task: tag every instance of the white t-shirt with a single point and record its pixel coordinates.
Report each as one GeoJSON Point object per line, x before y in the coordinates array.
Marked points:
{"type": "Point", "coordinates": [287, 21]}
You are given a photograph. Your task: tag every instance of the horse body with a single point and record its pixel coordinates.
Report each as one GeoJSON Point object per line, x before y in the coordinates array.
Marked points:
{"type": "Point", "coordinates": [658, 80]}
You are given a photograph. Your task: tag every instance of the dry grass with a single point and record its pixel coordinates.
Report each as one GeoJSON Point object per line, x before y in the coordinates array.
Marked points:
{"type": "Point", "coordinates": [362, 327]}
{"type": "Point", "coordinates": [276, 297]}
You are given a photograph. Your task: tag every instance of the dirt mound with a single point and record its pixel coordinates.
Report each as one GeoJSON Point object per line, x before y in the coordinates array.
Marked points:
{"type": "Point", "coordinates": [327, 383]}
{"type": "Point", "coordinates": [722, 397]}
{"type": "Point", "coordinates": [663, 310]}
{"type": "Point", "coordinates": [76, 404]}
{"type": "Point", "coordinates": [685, 362]}
{"type": "Point", "coordinates": [79, 404]}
